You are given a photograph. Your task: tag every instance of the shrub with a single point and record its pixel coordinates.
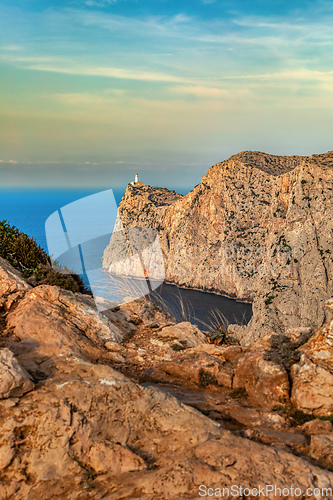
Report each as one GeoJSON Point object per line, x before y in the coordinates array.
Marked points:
{"type": "Point", "coordinates": [24, 253]}
{"type": "Point", "coordinates": [327, 417]}
{"type": "Point", "coordinates": [20, 250]}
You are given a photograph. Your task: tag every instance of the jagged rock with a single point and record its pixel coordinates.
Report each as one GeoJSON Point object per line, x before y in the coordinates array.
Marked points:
{"type": "Point", "coordinates": [14, 380]}
{"type": "Point", "coordinates": [312, 388]}
{"type": "Point", "coordinates": [321, 448]}
{"type": "Point", "coordinates": [258, 227]}
{"type": "Point", "coordinates": [315, 427]}
{"type": "Point", "coordinates": [12, 284]}
{"type": "Point", "coordinates": [112, 457]}
{"type": "Point", "coordinates": [200, 368]}
{"type": "Point", "coordinates": [184, 334]}
{"type": "Point", "coordinates": [266, 382]}
{"type": "Point", "coordinates": [88, 431]}
{"type": "Point", "coordinates": [50, 322]}
{"type": "Point", "coordinates": [295, 334]}
{"type": "Point", "coordinates": [11, 280]}
{"type": "Point", "coordinates": [280, 438]}
{"type": "Point", "coordinates": [312, 377]}
{"type": "Point", "coordinates": [229, 353]}
{"type": "Point", "coordinates": [74, 432]}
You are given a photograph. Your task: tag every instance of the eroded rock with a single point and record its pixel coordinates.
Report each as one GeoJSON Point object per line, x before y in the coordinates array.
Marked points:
{"type": "Point", "coordinates": [266, 382]}
{"type": "Point", "coordinates": [312, 377]}
{"type": "Point", "coordinates": [51, 322]}
{"type": "Point", "coordinates": [14, 380]}
{"type": "Point", "coordinates": [321, 448]}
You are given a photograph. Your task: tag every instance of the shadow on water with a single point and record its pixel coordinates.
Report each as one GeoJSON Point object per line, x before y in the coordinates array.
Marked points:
{"type": "Point", "coordinates": [201, 308]}
{"type": "Point", "coordinates": [207, 310]}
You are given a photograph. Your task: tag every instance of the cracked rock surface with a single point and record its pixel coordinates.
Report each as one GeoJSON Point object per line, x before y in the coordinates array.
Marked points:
{"type": "Point", "coordinates": [132, 404]}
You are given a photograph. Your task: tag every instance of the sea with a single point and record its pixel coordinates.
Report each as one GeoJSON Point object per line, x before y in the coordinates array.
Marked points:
{"type": "Point", "coordinates": [29, 209]}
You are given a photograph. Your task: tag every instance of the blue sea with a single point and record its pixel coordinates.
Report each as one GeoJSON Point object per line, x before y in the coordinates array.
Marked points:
{"type": "Point", "coordinates": [28, 210]}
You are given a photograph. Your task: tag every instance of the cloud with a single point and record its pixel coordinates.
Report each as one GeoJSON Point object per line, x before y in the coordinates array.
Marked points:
{"type": "Point", "coordinates": [10, 48]}
{"type": "Point", "coordinates": [196, 85]}
{"type": "Point", "coordinates": [200, 91]}
{"type": "Point", "coordinates": [56, 162]}
{"type": "Point", "coordinates": [103, 71]}
{"type": "Point", "coordinates": [99, 3]}
{"type": "Point", "coordinates": [82, 99]}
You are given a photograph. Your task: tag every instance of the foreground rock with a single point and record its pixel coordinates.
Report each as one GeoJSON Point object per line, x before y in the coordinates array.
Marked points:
{"type": "Point", "coordinates": [85, 430]}
{"type": "Point", "coordinates": [266, 382]}
{"type": "Point", "coordinates": [313, 376]}
{"type": "Point", "coordinates": [90, 418]}
{"type": "Point", "coordinates": [12, 284]}
{"type": "Point", "coordinates": [53, 322]}
{"type": "Point", "coordinates": [14, 380]}
{"type": "Point", "coordinates": [258, 227]}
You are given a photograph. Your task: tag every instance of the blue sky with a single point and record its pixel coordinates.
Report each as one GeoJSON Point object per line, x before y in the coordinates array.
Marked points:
{"type": "Point", "coordinates": [94, 90]}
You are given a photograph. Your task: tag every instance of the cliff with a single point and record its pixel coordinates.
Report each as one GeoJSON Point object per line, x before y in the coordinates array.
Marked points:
{"type": "Point", "coordinates": [257, 228]}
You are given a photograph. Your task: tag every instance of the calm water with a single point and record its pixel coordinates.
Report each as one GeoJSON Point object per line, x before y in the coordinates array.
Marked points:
{"type": "Point", "coordinates": [28, 210]}
{"type": "Point", "coordinates": [203, 309]}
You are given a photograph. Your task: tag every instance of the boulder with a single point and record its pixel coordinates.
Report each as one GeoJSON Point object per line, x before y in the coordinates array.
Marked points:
{"type": "Point", "coordinates": [51, 322]}
{"type": "Point", "coordinates": [14, 380]}
{"type": "Point", "coordinates": [315, 427]}
{"type": "Point", "coordinates": [312, 377]}
{"type": "Point", "coordinates": [112, 457]}
{"type": "Point", "coordinates": [266, 382]}
{"type": "Point", "coordinates": [198, 367]}
{"type": "Point", "coordinates": [312, 388]}
{"type": "Point", "coordinates": [184, 334]}
{"type": "Point", "coordinates": [321, 448]}
{"type": "Point", "coordinates": [11, 280]}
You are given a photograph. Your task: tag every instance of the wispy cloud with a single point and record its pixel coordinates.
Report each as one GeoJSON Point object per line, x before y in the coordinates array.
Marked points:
{"type": "Point", "coordinates": [70, 68]}
{"type": "Point", "coordinates": [196, 85]}
{"type": "Point", "coordinates": [99, 3]}
{"type": "Point", "coordinates": [10, 48]}
{"type": "Point", "coordinates": [56, 162]}
{"type": "Point", "coordinates": [181, 81]}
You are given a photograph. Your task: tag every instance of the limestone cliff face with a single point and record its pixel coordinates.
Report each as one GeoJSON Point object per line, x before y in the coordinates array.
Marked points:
{"type": "Point", "coordinates": [257, 228]}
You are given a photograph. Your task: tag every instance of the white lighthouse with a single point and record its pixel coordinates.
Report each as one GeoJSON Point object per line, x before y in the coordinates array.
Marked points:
{"type": "Point", "coordinates": [136, 177]}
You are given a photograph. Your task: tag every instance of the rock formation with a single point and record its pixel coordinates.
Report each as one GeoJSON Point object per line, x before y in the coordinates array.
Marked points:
{"type": "Point", "coordinates": [258, 228]}
{"type": "Point", "coordinates": [132, 404]}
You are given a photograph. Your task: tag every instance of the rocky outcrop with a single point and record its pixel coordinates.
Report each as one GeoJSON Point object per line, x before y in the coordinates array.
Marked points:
{"type": "Point", "coordinates": [14, 380]}
{"type": "Point", "coordinates": [85, 427]}
{"type": "Point", "coordinates": [266, 382]}
{"type": "Point", "coordinates": [313, 375]}
{"type": "Point", "coordinates": [257, 228]}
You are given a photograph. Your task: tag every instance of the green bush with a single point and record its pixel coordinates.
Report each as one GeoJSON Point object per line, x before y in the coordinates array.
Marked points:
{"type": "Point", "coordinates": [20, 250]}
{"type": "Point", "coordinates": [24, 253]}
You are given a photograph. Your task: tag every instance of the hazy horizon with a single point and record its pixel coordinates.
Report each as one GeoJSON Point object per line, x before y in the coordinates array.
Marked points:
{"type": "Point", "coordinates": [96, 90]}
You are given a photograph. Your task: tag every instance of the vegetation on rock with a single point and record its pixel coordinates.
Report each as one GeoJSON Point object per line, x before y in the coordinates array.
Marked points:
{"type": "Point", "coordinates": [24, 253]}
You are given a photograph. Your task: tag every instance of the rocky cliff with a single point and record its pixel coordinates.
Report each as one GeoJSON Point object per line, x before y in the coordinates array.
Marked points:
{"type": "Point", "coordinates": [258, 228]}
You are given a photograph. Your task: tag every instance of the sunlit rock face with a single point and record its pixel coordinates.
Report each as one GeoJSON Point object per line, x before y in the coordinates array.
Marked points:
{"type": "Point", "coordinates": [313, 376]}
{"type": "Point", "coordinates": [257, 228]}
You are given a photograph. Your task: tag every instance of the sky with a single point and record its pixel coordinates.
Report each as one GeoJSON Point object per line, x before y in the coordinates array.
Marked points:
{"type": "Point", "coordinates": [92, 91]}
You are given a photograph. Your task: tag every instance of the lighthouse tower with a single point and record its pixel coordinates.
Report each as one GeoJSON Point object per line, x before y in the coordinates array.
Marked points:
{"type": "Point", "coordinates": [136, 177]}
